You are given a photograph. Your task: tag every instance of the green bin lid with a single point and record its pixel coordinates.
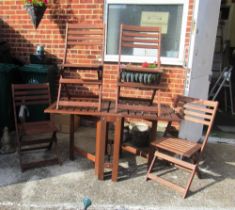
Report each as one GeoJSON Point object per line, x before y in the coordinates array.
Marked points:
{"type": "Point", "coordinates": [7, 67]}
{"type": "Point", "coordinates": [36, 68]}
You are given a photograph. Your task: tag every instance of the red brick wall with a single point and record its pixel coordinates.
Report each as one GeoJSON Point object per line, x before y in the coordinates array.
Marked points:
{"type": "Point", "coordinates": [16, 28]}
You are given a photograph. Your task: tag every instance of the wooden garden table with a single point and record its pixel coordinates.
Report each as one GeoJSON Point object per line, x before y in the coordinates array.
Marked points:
{"type": "Point", "coordinates": [105, 116]}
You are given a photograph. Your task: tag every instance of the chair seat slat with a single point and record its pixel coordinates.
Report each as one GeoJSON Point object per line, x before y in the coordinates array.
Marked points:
{"type": "Point", "coordinates": [178, 146]}
{"type": "Point", "coordinates": [33, 94]}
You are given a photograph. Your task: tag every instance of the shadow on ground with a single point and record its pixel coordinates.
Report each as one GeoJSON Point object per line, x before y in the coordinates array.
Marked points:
{"type": "Point", "coordinates": [64, 187]}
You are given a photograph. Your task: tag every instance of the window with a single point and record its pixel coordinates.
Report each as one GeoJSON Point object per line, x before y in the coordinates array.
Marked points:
{"type": "Point", "coordinates": [170, 15]}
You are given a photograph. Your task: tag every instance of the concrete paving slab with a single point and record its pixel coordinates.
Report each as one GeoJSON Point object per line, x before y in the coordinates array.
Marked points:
{"type": "Point", "coordinates": [64, 187]}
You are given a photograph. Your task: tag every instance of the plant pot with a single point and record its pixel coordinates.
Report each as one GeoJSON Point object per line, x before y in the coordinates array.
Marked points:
{"type": "Point", "coordinates": [140, 135]}
{"type": "Point", "coordinates": [36, 13]}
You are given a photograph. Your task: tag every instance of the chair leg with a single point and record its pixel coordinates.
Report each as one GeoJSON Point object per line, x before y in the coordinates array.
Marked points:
{"type": "Point", "coordinates": [58, 96]}
{"type": "Point", "coordinates": [190, 182]}
{"type": "Point", "coordinates": [52, 140]}
{"type": "Point", "coordinates": [152, 97]}
{"type": "Point", "coordinates": [151, 167]}
{"type": "Point", "coordinates": [52, 161]}
{"type": "Point", "coordinates": [100, 98]}
{"type": "Point", "coordinates": [54, 137]}
{"type": "Point", "coordinates": [19, 154]}
{"type": "Point", "coordinates": [198, 173]}
{"type": "Point", "coordinates": [195, 160]}
{"type": "Point", "coordinates": [121, 140]}
{"type": "Point", "coordinates": [167, 129]}
{"type": "Point", "coordinates": [192, 168]}
{"type": "Point", "coordinates": [20, 159]}
{"type": "Point", "coordinates": [150, 155]}
{"type": "Point", "coordinates": [117, 99]}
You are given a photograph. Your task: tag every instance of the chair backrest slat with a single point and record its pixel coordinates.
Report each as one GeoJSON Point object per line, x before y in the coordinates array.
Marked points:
{"type": "Point", "coordinates": [135, 45]}
{"type": "Point", "coordinates": [197, 111]}
{"type": "Point", "coordinates": [18, 87]}
{"type": "Point", "coordinates": [83, 42]}
{"type": "Point", "coordinates": [38, 102]}
{"type": "Point", "coordinates": [144, 37]}
{"type": "Point", "coordinates": [28, 92]}
{"type": "Point", "coordinates": [84, 26]}
{"type": "Point", "coordinates": [140, 28]}
{"type": "Point", "coordinates": [134, 39]}
{"type": "Point", "coordinates": [32, 98]}
{"type": "Point", "coordinates": [85, 34]}
{"type": "Point", "coordinates": [203, 109]}
{"type": "Point", "coordinates": [77, 34]}
{"type": "Point", "coordinates": [140, 35]}
{"type": "Point", "coordinates": [196, 120]}
{"type": "Point", "coordinates": [84, 37]}
{"type": "Point", "coordinates": [197, 114]}
{"type": "Point", "coordinates": [31, 94]}
{"type": "Point", "coordinates": [80, 39]}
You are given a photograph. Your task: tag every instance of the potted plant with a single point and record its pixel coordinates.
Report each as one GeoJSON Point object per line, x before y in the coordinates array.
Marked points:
{"type": "Point", "coordinates": [36, 9]}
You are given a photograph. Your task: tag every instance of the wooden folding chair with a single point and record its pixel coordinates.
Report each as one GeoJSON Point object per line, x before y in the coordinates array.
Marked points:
{"type": "Point", "coordinates": [169, 148]}
{"type": "Point", "coordinates": [29, 133]}
{"type": "Point", "coordinates": [84, 46]}
{"type": "Point", "coordinates": [138, 38]}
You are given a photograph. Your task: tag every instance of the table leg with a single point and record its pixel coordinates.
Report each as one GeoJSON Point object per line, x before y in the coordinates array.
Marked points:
{"type": "Point", "coordinates": [153, 134]}
{"type": "Point", "coordinates": [100, 148]}
{"type": "Point", "coordinates": [117, 142]}
{"type": "Point", "coordinates": [167, 128]}
{"type": "Point", "coordinates": [107, 138]}
{"type": "Point", "coordinates": [71, 138]}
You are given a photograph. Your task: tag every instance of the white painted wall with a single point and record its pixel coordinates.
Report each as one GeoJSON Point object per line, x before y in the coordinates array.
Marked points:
{"type": "Point", "coordinates": [206, 15]}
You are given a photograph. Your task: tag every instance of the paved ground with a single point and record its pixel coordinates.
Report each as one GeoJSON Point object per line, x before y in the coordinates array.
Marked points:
{"type": "Point", "coordinates": [64, 187]}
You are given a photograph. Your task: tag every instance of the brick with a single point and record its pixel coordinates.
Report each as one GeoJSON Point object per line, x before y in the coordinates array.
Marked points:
{"type": "Point", "coordinates": [17, 29]}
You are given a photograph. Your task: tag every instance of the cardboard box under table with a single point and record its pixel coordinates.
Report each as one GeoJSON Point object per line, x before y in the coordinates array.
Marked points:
{"type": "Point", "coordinates": [62, 122]}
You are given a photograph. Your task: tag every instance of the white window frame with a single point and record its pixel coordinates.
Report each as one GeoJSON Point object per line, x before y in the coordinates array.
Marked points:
{"type": "Point", "coordinates": [164, 60]}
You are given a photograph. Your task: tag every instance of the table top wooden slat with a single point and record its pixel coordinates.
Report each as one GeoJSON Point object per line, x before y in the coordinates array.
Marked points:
{"type": "Point", "coordinates": [107, 109]}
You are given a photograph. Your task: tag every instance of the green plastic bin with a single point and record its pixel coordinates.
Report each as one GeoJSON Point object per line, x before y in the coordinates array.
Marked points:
{"type": "Point", "coordinates": [36, 74]}
{"type": "Point", "coordinates": [8, 75]}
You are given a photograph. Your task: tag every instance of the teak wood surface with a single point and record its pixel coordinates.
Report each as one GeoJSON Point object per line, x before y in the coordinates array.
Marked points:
{"type": "Point", "coordinates": [133, 37]}
{"type": "Point", "coordinates": [33, 95]}
{"type": "Point", "coordinates": [81, 37]}
{"type": "Point", "coordinates": [168, 148]}
{"type": "Point", "coordinates": [106, 115]}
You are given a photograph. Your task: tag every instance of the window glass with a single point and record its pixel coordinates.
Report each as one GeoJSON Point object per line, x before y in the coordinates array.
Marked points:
{"type": "Point", "coordinates": [168, 17]}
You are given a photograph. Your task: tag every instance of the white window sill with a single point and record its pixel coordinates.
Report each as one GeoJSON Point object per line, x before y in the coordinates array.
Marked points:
{"type": "Point", "coordinates": [136, 59]}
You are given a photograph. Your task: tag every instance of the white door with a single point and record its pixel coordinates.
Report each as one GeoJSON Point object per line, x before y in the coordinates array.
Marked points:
{"type": "Point", "coordinates": [206, 15]}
